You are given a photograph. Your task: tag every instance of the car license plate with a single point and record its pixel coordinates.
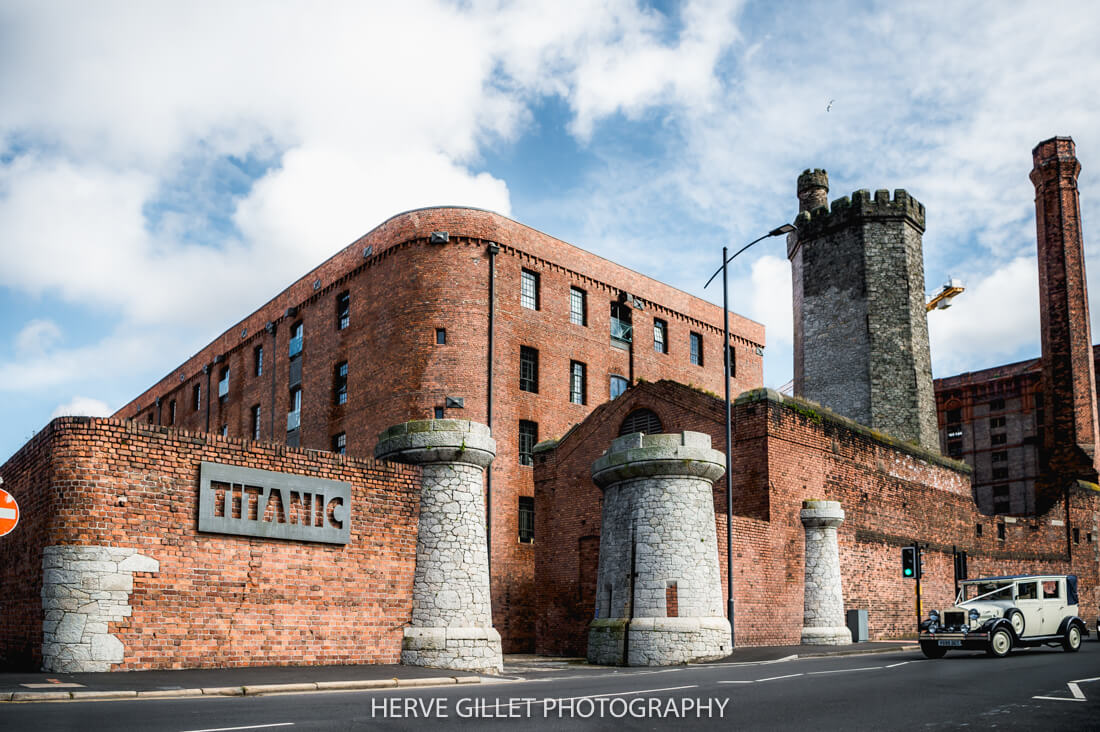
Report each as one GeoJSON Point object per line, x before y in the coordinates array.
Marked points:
{"type": "Point", "coordinates": [950, 642]}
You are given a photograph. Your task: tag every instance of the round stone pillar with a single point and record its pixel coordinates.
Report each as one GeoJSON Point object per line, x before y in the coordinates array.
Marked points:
{"type": "Point", "coordinates": [452, 625]}
{"type": "Point", "coordinates": [823, 619]}
{"type": "Point", "coordinates": [659, 593]}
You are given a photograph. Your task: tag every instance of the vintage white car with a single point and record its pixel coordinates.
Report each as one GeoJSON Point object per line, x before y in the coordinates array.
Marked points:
{"type": "Point", "coordinates": [997, 614]}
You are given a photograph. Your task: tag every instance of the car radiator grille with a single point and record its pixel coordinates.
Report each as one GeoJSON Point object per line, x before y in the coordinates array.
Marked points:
{"type": "Point", "coordinates": [953, 619]}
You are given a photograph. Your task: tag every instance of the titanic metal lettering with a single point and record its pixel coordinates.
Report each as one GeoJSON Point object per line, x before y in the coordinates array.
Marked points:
{"type": "Point", "coordinates": [252, 502]}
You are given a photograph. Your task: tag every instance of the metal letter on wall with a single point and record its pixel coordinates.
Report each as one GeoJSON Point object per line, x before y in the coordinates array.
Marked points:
{"type": "Point", "coordinates": [251, 502]}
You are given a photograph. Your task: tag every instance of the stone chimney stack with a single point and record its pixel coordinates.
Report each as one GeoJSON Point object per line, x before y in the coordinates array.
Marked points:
{"type": "Point", "coordinates": [813, 189]}
{"type": "Point", "coordinates": [1069, 378]}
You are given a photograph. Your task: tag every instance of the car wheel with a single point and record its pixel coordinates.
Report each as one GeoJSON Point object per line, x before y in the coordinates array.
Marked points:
{"type": "Point", "coordinates": [1017, 619]}
{"type": "Point", "coordinates": [932, 649]}
{"type": "Point", "coordinates": [1000, 643]}
{"type": "Point", "coordinates": [1071, 641]}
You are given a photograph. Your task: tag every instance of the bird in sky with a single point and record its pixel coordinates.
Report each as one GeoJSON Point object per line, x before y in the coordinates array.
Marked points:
{"type": "Point", "coordinates": [829, 106]}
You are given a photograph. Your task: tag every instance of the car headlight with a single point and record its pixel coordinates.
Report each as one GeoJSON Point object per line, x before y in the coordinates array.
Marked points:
{"type": "Point", "coordinates": [973, 614]}
{"type": "Point", "coordinates": [934, 616]}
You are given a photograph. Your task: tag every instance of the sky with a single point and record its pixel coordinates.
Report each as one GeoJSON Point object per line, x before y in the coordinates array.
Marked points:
{"type": "Point", "coordinates": [167, 167]}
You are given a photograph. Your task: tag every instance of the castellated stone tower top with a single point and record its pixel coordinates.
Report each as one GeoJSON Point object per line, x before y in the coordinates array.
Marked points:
{"type": "Point", "coordinates": [813, 189]}
{"type": "Point", "coordinates": [860, 326]}
{"type": "Point", "coordinates": [1069, 379]}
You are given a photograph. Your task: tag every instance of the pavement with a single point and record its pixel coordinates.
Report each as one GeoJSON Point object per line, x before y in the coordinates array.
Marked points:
{"type": "Point", "coordinates": [258, 680]}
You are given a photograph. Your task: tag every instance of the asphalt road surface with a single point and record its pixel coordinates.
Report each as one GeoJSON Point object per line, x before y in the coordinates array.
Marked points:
{"type": "Point", "coordinates": [1031, 689]}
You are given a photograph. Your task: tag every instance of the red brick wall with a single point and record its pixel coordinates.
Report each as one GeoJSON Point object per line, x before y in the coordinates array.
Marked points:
{"type": "Point", "coordinates": [217, 600]}
{"type": "Point", "coordinates": [892, 494]}
{"type": "Point", "coordinates": [404, 291]}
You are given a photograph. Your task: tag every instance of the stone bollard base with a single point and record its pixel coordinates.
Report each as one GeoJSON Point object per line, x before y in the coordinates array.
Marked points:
{"type": "Point", "coordinates": [832, 636]}
{"type": "Point", "coordinates": [658, 641]}
{"type": "Point", "coordinates": [462, 649]}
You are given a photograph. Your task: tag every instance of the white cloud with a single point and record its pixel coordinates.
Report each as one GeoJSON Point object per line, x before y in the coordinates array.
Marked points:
{"type": "Point", "coordinates": [81, 406]}
{"type": "Point", "coordinates": [36, 337]}
{"type": "Point", "coordinates": [990, 322]}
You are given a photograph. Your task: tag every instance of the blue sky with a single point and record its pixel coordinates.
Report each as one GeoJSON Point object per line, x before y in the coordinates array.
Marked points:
{"type": "Point", "coordinates": [165, 167]}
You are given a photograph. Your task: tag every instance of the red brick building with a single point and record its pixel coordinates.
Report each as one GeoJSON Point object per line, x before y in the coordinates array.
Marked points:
{"type": "Point", "coordinates": [786, 450]}
{"type": "Point", "coordinates": [461, 313]}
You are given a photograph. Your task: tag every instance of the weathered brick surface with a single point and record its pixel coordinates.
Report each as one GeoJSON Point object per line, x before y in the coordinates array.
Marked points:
{"type": "Point", "coordinates": [1069, 378]}
{"type": "Point", "coordinates": [217, 600]}
{"type": "Point", "coordinates": [400, 294]}
{"type": "Point", "coordinates": [892, 494]}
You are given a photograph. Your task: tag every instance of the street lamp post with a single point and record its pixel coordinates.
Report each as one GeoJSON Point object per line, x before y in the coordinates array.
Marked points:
{"type": "Point", "coordinates": [784, 229]}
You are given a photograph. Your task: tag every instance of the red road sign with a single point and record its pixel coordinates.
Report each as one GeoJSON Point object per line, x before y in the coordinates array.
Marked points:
{"type": "Point", "coordinates": [9, 512]}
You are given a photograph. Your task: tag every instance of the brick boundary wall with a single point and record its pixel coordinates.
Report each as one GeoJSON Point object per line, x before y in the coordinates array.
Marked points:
{"type": "Point", "coordinates": [217, 600]}
{"type": "Point", "coordinates": [786, 451]}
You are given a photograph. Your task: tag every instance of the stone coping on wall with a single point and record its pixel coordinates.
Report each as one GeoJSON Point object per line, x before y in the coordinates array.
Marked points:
{"type": "Point", "coordinates": [817, 413]}
{"type": "Point", "coordinates": [639, 455]}
{"type": "Point", "coordinates": [437, 441]}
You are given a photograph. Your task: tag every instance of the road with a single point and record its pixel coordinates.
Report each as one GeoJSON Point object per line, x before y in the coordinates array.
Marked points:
{"type": "Point", "coordinates": [888, 691]}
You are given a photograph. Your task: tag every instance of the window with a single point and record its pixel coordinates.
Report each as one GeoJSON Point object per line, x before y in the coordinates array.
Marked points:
{"type": "Point", "coordinates": [296, 339]}
{"type": "Point", "coordinates": [526, 519]}
{"type": "Point", "coordinates": [1026, 591]}
{"type": "Point", "coordinates": [196, 397]}
{"type": "Point", "coordinates": [528, 369]}
{"type": "Point", "coordinates": [995, 422]}
{"type": "Point", "coordinates": [660, 336]}
{"type": "Point", "coordinates": [528, 436]}
{"type": "Point", "coordinates": [999, 457]}
{"type": "Point", "coordinates": [1000, 473]}
{"type": "Point", "coordinates": [255, 421]}
{"type": "Point", "coordinates": [1052, 589]}
{"type": "Point", "coordinates": [223, 384]}
{"type": "Point", "coordinates": [294, 416]}
{"type": "Point", "coordinates": [996, 405]}
{"type": "Point", "coordinates": [441, 336]}
{"type": "Point", "coordinates": [438, 412]}
{"type": "Point", "coordinates": [258, 360]}
{"type": "Point", "coordinates": [529, 289]}
{"type": "Point", "coordinates": [978, 529]}
{"type": "Point", "coordinates": [340, 382]}
{"type": "Point", "coordinates": [641, 420]}
{"type": "Point", "coordinates": [149, 418]}
{"type": "Point", "coordinates": [172, 412]}
{"type": "Point", "coordinates": [1000, 491]}
{"type": "Point", "coordinates": [954, 449]}
{"type": "Point", "coordinates": [578, 306]}
{"type": "Point", "coordinates": [1076, 535]}
{"type": "Point", "coordinates": [733, 361]}
{"type": "Point", "coordinates": [577, 382]}
{"type": "Point", "coordinates": [696, 343]}
{"type": "Point", "coordinates": [618, 385]}
{"type": "Point", "coordinates": [998, 439]}
{"type": "Point", "coordinates": [340, 443]}
{"type": "Point", "coordinates": [1001, 531]}
{"type": "Point", "coordinates": [620, 323]}
{"type": "Point", "coordinates": [954, 431]}
{"type": "Point", "coordinates": [954, 415]}
{"type": "Point", "coordinates": [343, 310]}
{"type": "Point", "coordinates": [224, 430]}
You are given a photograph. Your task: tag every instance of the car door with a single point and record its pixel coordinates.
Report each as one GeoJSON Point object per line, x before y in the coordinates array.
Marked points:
{"type": "Point", "coordinates": [1053, 594]}
{"type": "Point", "coordinates": [1028, 602]}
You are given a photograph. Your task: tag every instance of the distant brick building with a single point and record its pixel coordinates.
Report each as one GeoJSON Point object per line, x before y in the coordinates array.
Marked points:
{"type": "Point", "coordinates": [460, 313]}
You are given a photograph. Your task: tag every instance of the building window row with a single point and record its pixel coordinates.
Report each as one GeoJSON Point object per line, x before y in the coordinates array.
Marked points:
{"type": "Point", "coordinates": [577, 383]}
{"type": "Point", "coordinates": [528, 369]}
{"type": "Point", "coordinates": [526, 519]}
{"type": "Point", "coordinates": [343, 310]}
{"type": "Point", "coordinates": [528, 437]}
{"type": "Point", "coordinates": [340, 382]}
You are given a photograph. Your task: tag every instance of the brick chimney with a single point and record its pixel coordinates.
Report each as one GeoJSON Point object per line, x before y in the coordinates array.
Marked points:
{"type": "Point", "coordinates": [1069, 377]}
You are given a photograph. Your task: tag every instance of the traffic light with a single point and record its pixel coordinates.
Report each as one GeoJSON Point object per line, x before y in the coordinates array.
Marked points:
{"type": "Point", "coordinates": [909, 561]}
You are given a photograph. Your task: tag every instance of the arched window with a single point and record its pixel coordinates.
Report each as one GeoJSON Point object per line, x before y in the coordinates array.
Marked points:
{"type": "Point", "coordinates": [641, 420]}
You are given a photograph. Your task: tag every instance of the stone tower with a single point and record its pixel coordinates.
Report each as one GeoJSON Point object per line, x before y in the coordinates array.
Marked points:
{"type": "Point", "coordinates": [1069, 378]}
{"type": "Point", "coordinates": [860, 328]}
{"type": "Point", "coordinates": [659, 596]}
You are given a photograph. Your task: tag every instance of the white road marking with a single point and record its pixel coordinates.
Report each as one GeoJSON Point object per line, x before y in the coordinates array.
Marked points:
{"type": "Point", "coordinates": [251, 726]}
{"type": "Point", "coordinates": [846, 670]}
{"type": "Point", "coordinates": [895, 665]}
{"type": "Point", "coordinates": [736, 682]}
{"type": "Point", "coordinates": [618, 693]}
{"type": "Point", "coordinates": [776, 678]}
{"type": "Point", "coordinates": [745, 663]}
{"type": "Point", "coordinates": [1078, 695]}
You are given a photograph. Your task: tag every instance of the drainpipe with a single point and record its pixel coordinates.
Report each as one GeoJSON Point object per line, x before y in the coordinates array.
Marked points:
{"type": "Point", "coordinates": [272, 329]}
{"type": "Point", "coordinates": [206, 370]}
{"type": "Point", "coordinates": [494, 249]}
